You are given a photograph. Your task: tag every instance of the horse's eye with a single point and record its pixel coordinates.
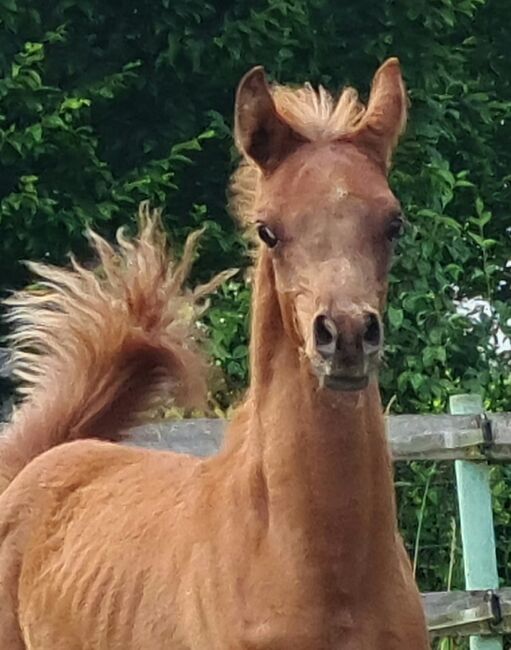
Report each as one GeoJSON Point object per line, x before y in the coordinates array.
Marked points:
{"type": "Point", "coordinates": [267, 235]}
{"type": "Point", "coordinates": [395, 228]}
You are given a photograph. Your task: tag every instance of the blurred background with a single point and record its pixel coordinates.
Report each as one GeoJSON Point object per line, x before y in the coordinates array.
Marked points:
{"type": "Point", "coordinates": [105, 104]}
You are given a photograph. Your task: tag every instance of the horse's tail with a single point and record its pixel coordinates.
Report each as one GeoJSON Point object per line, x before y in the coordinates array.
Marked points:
{"type": "Point", "coordinates": [95, 349]}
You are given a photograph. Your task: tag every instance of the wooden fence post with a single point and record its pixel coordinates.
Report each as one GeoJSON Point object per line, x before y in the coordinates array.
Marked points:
{"type": "Point", "coordinates": [476, 520]}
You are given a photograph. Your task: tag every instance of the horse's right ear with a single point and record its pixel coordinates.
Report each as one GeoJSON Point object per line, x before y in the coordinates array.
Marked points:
{"type": "Point", "coordinates": [260, 132]}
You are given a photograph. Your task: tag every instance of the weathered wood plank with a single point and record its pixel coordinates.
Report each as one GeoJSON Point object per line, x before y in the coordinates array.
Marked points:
{"type": "Point", "coordinates": [200, 437]}
{"type": "Point", "coordinates": [465, 613]}
{"type": "Point", "coordinates": [412, 437]}
{"type": "Point", "coordinates": [501, 433]}
{"type": "Point", "coordinates": [434, 437]}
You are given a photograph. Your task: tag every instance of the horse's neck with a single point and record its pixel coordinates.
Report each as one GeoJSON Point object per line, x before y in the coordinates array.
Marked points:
{"type": "Point", "coordinates": [326, 471]}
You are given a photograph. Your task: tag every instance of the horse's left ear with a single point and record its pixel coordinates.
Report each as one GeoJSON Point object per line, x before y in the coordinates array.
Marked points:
{"type": "Point", "coordinates": [260, 132]}
{"type": "Point", "coordinates": [385, 117]}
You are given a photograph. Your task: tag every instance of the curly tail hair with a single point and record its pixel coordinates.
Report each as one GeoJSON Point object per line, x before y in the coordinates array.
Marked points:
{"type": "Point", "coordinates": [94, 349]}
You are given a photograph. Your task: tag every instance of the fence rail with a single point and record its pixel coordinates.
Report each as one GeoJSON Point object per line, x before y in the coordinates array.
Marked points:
{"type": "Point", "coordinates": [467, 613]}
{"type": "Point", "coordinates": [412, 437]}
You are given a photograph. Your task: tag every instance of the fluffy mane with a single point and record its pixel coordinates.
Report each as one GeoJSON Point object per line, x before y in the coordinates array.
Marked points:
{"type": "Point", "coordinates": [316, 115]}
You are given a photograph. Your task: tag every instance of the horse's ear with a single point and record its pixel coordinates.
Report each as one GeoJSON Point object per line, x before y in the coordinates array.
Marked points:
{"type": "Point", "coordinates": [260, 132]}
{"type": "Point", "coordinates": [385, 117]}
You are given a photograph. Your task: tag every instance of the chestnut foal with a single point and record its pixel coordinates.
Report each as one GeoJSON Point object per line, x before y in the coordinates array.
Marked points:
{"type": "Point", "coordinates": [287, 539]}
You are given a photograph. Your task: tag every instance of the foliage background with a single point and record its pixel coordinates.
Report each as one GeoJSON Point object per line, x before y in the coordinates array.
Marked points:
{"type": "Point", "coordinates": [105, 104]}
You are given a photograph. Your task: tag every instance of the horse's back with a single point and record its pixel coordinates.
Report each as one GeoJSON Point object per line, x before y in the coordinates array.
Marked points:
{"type": "Point", "coordinates": [80, 535]}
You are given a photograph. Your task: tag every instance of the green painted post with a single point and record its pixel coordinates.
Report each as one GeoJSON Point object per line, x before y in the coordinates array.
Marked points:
{"type": "Point", "coordinates": [476, 520]}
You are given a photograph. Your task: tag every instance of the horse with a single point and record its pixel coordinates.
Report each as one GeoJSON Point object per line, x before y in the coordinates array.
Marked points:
{"type": "Point", "coordinates": [287, 538]}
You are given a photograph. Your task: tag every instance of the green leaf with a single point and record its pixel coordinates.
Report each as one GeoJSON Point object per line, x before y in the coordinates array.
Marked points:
{"type": "Point", "coordinates": [395, 316]}
{"type": "Point", "coordinates": [74, 103]}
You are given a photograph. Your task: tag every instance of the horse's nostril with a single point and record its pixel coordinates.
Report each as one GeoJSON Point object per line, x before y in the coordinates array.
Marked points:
{"type": "Point", "coordinates": [372, 333]}
{"type": "Point", "coordinates": [325, 332]}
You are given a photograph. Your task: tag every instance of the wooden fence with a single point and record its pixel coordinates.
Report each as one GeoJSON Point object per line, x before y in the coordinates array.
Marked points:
{"type": "Point", "coordinates": [473, 440]}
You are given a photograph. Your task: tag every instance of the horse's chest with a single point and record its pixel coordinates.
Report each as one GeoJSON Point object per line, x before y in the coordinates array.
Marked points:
{"type": "Point", "coordinates": [296, 631]}
{"type": "Point", "coordinates": [309, 625]}
{"type": "Point", "coordinates": [332, 636]}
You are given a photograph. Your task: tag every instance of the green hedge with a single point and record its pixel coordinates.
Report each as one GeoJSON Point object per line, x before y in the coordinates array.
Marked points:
{"type": "Point", "coordinates": [105, 104]}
